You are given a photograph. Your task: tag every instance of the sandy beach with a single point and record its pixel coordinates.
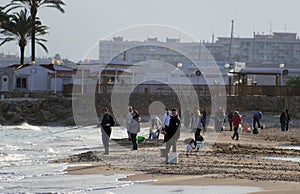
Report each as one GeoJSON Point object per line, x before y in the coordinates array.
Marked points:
{"type": "Point", "coordinates": [222, 161]}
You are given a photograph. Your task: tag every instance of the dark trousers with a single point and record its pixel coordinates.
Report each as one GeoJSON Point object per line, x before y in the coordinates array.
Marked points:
{"type": "Point", "coordinates": [287, 126]}
{"type": "Point", "coordinates": [203, 121]}
{"type": "Point", "coordinates": [256, 120]}
{"type": "Point", "coordinates": [172, 142]}
{"type": "Point", "coordinates": [106, 132]}
{"type": "Point", "coordinates": [236, 134]}
{"type": "Point", "coordinates": [133, 139]}
{"type": "Point", "coordinates": [230, 125]}
{"type": "Point", "coordinates": [283, 125]}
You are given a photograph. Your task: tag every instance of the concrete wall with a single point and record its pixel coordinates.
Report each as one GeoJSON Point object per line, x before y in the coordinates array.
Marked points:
{"type": "Point", "coordinates": [141, 102]}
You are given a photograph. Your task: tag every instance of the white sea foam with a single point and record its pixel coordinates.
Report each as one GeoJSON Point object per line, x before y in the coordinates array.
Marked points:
{"type": "Point", "coordinates": [296, 159]}
{"type": "Point", "coordinates": [26, 126]}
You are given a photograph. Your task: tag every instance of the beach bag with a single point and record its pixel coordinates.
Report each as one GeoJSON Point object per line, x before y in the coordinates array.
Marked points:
{"type": "Point", "coordinates": [239, 128]}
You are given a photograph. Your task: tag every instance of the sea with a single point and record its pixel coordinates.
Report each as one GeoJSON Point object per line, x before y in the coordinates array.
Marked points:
{"type": "Point", "coordinates": [27, 152]}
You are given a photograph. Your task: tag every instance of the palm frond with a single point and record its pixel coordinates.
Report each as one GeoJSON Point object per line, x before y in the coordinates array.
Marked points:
{"type": "Point", "coordinates": [43, 46]}
{"type": "Point", "coordinates": [5, 40]}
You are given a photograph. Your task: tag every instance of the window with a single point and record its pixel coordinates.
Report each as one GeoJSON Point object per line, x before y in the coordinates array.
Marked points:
{"type": "Point", "coordinates": [21, 83]}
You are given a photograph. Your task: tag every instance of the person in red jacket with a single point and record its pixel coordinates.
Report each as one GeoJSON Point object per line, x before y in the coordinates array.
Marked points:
{"type": "Point", "coordinates": [237, 120]}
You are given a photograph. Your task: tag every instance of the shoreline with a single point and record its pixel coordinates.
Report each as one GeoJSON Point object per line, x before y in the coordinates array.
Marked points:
{"type": "Point", "coordinates": [224, 163]}
{"type": "Point", "coordinates": [137, 177]}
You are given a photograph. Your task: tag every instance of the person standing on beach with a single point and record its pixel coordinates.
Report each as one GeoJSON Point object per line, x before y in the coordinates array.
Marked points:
{"type": "Point", "coordinates": [219, 120]}
{"type": "Point", "coordinates": [283, 119]}
{"type": "Point", "coordinates": [172, 133]}
{"type": "Point", "coordinates": [288, 119]}
{"type": "Point", "coordinates": [230, 119]}
{"type": "Point", "coordinates": [196, 121]}
{"type": "Point", "coordinates": [135, 128]}
{"type": "Point", "coordinates": [128, 122]}
{"type": "Point", "coordinates": [256, 119]}
{"type": "Point", "coordinates": [106, 123]}
{"type": "Point", "coordinates": [203, 118]}
{"type": "Point", "coordinates": [237, 120]}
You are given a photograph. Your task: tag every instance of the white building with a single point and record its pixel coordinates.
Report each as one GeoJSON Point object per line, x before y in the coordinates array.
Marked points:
{"type": "Point", "coordinates": [45, 77]}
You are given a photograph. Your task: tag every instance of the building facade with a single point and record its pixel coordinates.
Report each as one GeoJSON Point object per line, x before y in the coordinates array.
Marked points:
{"type": "Point", "coordinates": [36, 78]}
{"type": "Point", "coordinates": [171, 50]}
{"type": "Point", "coordinates": [261, 49]}
{"type": "Point", "coordinates": [274, 49]}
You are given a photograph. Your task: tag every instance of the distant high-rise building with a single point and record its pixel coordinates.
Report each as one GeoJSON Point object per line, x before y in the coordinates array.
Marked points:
{"type": "Point", "coordinates": [272, 49]}
{"type": "Point", "coordinates": [279, 47]}
{"type": "Point", "coordinates": [172, 50]}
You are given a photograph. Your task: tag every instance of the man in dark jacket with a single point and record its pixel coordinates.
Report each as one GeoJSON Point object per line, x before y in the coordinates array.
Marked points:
{"type": "Point", "coordinates": [288, 119]}
{"type": "Point", "coordinates": [106, 123]}
{"type": "Point", "coordinates": [172, 133]}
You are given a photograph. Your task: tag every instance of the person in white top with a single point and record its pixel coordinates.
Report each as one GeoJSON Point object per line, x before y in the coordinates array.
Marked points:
{"type": "Point", "coordinates": [128, 122]}
{"type": "Point", "coordinates": [166, 120]}
{"type": "Point", "coordinates": [167, 117]}
{"type": "Point", "coordinates": [196, 121]}
{"type": "Point", "coordinates": [155, 126]}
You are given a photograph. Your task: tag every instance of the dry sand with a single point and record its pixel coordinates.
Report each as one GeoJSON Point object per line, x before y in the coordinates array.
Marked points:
{"type": "Point", "coordinates": [222, 162]}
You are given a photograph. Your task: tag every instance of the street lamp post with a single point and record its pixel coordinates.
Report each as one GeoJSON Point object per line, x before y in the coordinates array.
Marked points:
{"type": "Point", "coordinates": [55, 62]}
{"type": "Point", "coordinates": [179, 66]}
{"type": "Point", "coordinates": [227, 66]}
{"type": "Point", "coordinates": [281, 66]}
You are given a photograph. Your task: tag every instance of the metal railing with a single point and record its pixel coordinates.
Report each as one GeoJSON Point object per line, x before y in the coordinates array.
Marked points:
{"type": "Point", "coordinates": [201, 90]}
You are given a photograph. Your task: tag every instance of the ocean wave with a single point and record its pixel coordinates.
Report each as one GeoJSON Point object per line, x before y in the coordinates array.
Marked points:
{"type": "Point", "coordinates": [10, 176]}
{"type": "Point", "coordinates": [26, 126]}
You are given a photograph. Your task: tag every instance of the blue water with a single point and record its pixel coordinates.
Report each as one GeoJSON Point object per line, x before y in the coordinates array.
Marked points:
{"type": "Point", "coordinates": [25, 167]}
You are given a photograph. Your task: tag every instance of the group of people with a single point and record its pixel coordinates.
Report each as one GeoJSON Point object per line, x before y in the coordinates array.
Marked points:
{"type": "Point", "coordinates": [133, 120]}
{"type": "Point", "coordinates": [284, 120]}
{"type": "Point", "coordinates": [170, 126]}
{"type": "Point", "coordinates": [195, 119]}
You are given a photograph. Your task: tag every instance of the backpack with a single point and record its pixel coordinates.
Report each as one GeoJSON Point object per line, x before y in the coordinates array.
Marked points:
{"type": "Point", "coordinates": [111, 121]}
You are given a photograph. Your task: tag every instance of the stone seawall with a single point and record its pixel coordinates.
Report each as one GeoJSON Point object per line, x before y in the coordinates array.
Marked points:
{"type": "Point", "coordinates": [57, 110]}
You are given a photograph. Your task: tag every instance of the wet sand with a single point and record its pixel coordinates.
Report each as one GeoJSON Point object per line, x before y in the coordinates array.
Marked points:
{"type": "Point", "coordinates": [222, 161]}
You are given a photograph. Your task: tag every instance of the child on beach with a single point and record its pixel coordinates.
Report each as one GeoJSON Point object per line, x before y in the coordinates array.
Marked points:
{"type": "Point", "coordinates": [135, 128]}
{"type": "Point", "coordinates": [190, 147]}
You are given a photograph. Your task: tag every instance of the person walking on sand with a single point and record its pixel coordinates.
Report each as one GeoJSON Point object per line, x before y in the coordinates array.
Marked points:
{"type": "Point", "coordinates": [283, 119]}
{"type": "Point", "coordinates": [288, 119]}
{"type": "Point", "coordinates": [230, 119]}
{"type": "Point", "coordinates": [106, 123]}
{"type": "Point", "coordinates": [172, 133]}
{"type": "Point", "coordinates": [135, 128]}
{"type": "Point", "coordinates": [237, 120]}
{"type": "Point", "coordinates": [128, 122]}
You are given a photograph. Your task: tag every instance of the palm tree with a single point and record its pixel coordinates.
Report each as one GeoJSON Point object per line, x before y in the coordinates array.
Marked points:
{"type": "Point", "coordinates": [18, 28]}
{"type": "Point", "coordinates": [3, 15]}
{"type": "Point", "coordinates": [295, 81]}
{"type": "Point", "coordinates": [34, 6]}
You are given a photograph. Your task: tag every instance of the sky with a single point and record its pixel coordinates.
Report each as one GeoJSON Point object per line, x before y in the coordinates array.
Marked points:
{"type": "Point", "coordinates": [85, 22]}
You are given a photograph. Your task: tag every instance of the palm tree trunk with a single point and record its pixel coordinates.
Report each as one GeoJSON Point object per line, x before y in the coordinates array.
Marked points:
{"type": "Point", "coordinates": [33, 18]}
{"type": "Point", "coordinates": [22, 51]}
